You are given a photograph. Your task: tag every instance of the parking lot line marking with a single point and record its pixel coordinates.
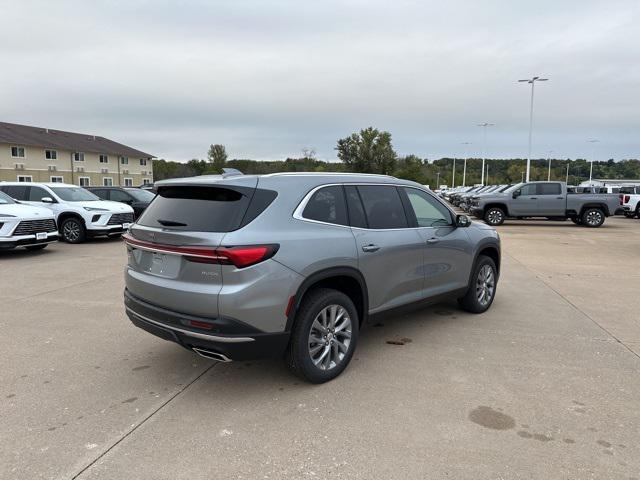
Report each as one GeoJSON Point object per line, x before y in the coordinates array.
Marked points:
{"type": "Point", "coordinates": [142, 422]}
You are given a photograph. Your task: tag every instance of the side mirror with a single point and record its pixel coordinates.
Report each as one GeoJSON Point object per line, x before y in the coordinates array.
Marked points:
{"type": "Point", "coordinates": [463, 221]}
{"type": "Point", "coordinates": [47, 200]}
{"type": "Point", "coordinates": [516, 194]}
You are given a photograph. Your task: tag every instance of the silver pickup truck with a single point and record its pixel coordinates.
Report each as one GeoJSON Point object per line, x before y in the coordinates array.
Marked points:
{"type": "Point", "coordinates": [545, 199]}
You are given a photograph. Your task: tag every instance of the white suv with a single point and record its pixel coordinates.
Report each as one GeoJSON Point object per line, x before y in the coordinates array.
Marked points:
{"type": "Point", "coordinates": [78, 212]}
{"type": "Point", "coordinates": [630, 200]}
{"type": "Point", "coordinates": [25, 226]}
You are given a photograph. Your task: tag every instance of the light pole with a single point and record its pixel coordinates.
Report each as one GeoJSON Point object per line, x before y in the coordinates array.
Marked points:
{"type": "Point", "coordinates": [484, 146]}
{"type": "Point", "coordinates": [453, 175]}
{"type": "Point", "coordinates": [549, 158]}
{"type": "Point", "coordinates": [486, 177]}
{"type": "Point", "coordinates": [567, 179]}
{"type": "Point", "coordinates": [522, 181]}
{"type": "Point", "coordinates": [532, 81]}
{"type": "Point", "coordinates": [464, 170]}
{"type": "Point", "coordinates": [593, 142]}
{"type": "Point", "coordinates": [438, 180]}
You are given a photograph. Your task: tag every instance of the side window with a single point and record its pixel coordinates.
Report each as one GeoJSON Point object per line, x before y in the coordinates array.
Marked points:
{"type": "Point", "coordinates": [528, 189]}
{"type": "Point", "coordinates": [429, 211]}
{"type": "Point", "coordinates": [327, 205]}
{"type": "Point", "coordinates": [36, 194]}
{"type": "Point", "coordinates": [120, 196]}
{"type": "Point", "coordinates": [16, 191]}
{"type": "Point", "coordinates": [383, 206]}
{"type": "Point", "coordinates": [102, 193]}
{"type": "Point", "coordinates": [357, 217]}
{"type": "Point", "coordinates": [549, 189]}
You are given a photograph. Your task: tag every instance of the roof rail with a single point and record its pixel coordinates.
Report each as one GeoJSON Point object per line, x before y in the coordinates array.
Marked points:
{"type": "Point", "coordinates": [230, 172]}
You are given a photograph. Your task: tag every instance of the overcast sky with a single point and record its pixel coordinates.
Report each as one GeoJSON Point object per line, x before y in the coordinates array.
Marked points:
{"type": "Point", "coordinates": [269, 78]}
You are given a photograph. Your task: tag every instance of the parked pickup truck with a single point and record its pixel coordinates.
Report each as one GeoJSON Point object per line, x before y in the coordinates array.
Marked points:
{"type": "Point", "coordinates": [545, 199]}
{"type": "Point", "coordinates": [630, 200]}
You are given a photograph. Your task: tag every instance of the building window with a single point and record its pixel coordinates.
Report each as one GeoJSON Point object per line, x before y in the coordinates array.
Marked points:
{"type": "Point", "coordinates": [128, 182]}
{"type": "Point", "coordinates": [146, 181]}
{"type": "Point", "coordinates": [17, 152]}
{"type": "Point", "coordinates": [25, 178]}
{"type": "Point", "coordinates": [104, 159]}
{"type": "Point", "coordinates": [51, 154]}
{"type": "Point", "coordinates": [107, 182]}
{"type": "Point", "coordinates": [78, 157]}
{"type": "Point", "coordinates": [124, 160]}
{"type": "Point", "coordinates": [57, 179]}
{"type": "Point", "coordinates": [143, 162]}
{"type": "Point", "coordinates": [85, 181]}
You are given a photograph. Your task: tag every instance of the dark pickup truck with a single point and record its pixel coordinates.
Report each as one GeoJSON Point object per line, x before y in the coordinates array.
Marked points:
{"type": "Point", "coordinates": [545, 199]}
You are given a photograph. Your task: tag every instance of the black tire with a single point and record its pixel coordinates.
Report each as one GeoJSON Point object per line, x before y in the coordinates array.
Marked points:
{"type": "Point", "coordinates": [72, 230]}
{"type": "Point", "coordinates": [630, 214]}
{"type": "Point", "coordinates": [471, 301]}
{"type": "Point", "coordinates": [592, 217]}
{"type": "Point", "coordinates": [494, 216]}
{"type": "Point", "coordinates": [36, 247]}
{"type": "Point", "coordinates": [576, 220]}
{"type": "Point", "coordinates": [299, 356]}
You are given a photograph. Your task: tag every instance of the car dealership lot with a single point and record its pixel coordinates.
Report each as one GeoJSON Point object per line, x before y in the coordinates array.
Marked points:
{"type": "Point", "coordinates": [544, 385]}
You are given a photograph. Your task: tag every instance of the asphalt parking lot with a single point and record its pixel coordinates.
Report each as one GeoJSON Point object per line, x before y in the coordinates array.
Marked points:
{"type": "Point", "coordinates": [544, 385]}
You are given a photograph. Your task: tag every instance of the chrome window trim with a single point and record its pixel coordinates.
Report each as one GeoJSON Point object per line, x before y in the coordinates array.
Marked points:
{"type": "Point", "coordinates": [297, 213]}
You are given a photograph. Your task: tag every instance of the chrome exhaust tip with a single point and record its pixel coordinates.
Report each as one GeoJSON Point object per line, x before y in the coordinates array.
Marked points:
{"type": "Point", "coordinates": [218, 357]}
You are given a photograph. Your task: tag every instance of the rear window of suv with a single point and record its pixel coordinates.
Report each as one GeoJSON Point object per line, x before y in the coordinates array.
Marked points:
{"type": "Point", "coordinates": [205, 209]}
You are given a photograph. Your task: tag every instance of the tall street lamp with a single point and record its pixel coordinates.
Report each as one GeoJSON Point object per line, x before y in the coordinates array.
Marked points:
{"type": "Point", "coordinates": [484, 146]}
{"type": "Point", "coordinates": [549, 158]}
{"type": "Point", "coordinates": [453, 174]}
{"type": "Point", "coordinates": [464, 170]}
{"type": "Point", "coordinates": [593, 142]}
{"type": "Point", "coordinates": [532, 81]}
{"type": "Point", "coordinates": [438, 180]}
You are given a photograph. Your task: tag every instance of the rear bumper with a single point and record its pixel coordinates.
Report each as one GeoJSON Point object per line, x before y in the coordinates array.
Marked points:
{"type": "Point", "coordinates": [231, 338]}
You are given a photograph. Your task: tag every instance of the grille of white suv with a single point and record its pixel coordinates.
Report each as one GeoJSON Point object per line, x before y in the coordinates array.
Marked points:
{"type": "Point", "coordinates": [120, 218]}
{"type": "Point", "coordinates": [30, 227]}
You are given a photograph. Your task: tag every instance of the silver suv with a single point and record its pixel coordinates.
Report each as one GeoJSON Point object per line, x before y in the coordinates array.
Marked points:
{"type": "Point", "coordinates": [236, 267]}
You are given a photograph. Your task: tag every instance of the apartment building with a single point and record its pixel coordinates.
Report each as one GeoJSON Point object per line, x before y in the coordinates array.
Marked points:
{"type": "Point", "coordinates": [34, 154]}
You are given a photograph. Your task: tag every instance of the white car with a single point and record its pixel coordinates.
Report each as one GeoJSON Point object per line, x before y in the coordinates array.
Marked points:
{"type": "Point", "coordinates": [25, 226]}
{"type": "Point", "coordinates": [78, 212]}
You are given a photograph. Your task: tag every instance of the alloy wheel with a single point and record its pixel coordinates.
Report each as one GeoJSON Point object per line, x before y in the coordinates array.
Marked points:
{"type": "Point", "coordinates": [330, 337]}
{"type": "Point", "coordinates": [494, 216]}
{"type": "Point", "coordinates": [71, 231]}
{"type": "Point", "coordinates": [485, 285]}
{"type": "Point", "coordinates": [594, 217]}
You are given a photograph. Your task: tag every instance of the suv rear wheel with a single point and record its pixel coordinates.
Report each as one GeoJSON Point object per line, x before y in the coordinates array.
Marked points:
{"type": "Point", "coordinates": [324, 336]}
{"type": "Point", "coordinates": [482, 288]}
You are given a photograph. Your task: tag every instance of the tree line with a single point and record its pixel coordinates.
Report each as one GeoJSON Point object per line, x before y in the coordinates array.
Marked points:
{"type": "Point", "coordinates": [371, 151]}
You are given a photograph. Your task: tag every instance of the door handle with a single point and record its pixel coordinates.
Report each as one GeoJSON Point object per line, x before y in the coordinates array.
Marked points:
{"type": "Point", "coordinates": [559, 198]}
{"type": "Point", "coordinates": [433, 240]}
{"type": "Point", "coordinates": [370, 248]}
{"type": "Point", "coordinates": [533, 198]}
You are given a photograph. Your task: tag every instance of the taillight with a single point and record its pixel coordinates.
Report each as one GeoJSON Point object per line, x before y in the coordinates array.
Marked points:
{"type": "Point", "coordinates": [627, 199]}
{"type": "Point", "coordinates": [239, 256]}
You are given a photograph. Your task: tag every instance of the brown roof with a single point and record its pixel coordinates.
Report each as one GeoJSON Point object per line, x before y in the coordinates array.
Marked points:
{"type": "Point", "coordinates": [77, 142]}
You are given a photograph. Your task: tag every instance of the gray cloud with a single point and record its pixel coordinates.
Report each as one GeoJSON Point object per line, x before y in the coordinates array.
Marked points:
{"type": "Point", "coordinates": [269, 78]}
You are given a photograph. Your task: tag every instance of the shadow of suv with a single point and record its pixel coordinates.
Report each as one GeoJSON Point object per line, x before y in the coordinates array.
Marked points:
{"type": "Point", "coordinates": [236, 267]}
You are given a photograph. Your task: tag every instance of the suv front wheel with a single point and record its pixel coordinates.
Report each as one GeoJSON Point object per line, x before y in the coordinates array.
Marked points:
{"type": "Point", "coordinates": [324, 336]}
{"type": "Point", "coordinates": [482, 288]}
{"type": "Point", "coordinates": [73, 231]}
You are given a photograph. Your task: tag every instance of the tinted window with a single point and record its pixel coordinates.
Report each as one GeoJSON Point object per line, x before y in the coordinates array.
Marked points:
{"type": "Point", "coordinates": [549, 189]}
{"type": "Point", "coordinates": [5, 199]}
{"type": "Point", "coordinates": [528, 189]}
{"type": "Point", "coordinates": [199, 209]}
{"type": "Point", "coordinates": [327, 205]}
{"type": "Point", "coordinates": [356, 210]}
{"type": "Point", "coordinates": [382, 206]}
{"type": "Point", "coordinates": [429, 211]}
{"type": "Point", "coordinates": [120, 196]}
{"type": "Point", "coordinates": [16, 191]}
{"type": "Point", "coordinates": [102, 193]}
{"type": "Point", "coordinates": [141, 195]}
{"type": "Point", "coordinates": [36, 194]}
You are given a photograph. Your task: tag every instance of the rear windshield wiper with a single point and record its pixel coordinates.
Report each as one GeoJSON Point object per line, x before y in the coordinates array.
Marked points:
{"type": "Point", "coordinates": [171, 223]}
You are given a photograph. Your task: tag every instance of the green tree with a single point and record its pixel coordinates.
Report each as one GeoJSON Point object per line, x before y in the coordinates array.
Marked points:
{"type": "Point", "coordinates": [217, 156]}
{"type": "Point", "coordinates": [410, 168]}
{"type": "Point", "coordinates": [369, 151]}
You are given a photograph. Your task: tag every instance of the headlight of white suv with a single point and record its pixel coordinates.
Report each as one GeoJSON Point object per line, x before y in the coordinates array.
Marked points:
{"type": "Point", "coordinates": [92, 209]}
